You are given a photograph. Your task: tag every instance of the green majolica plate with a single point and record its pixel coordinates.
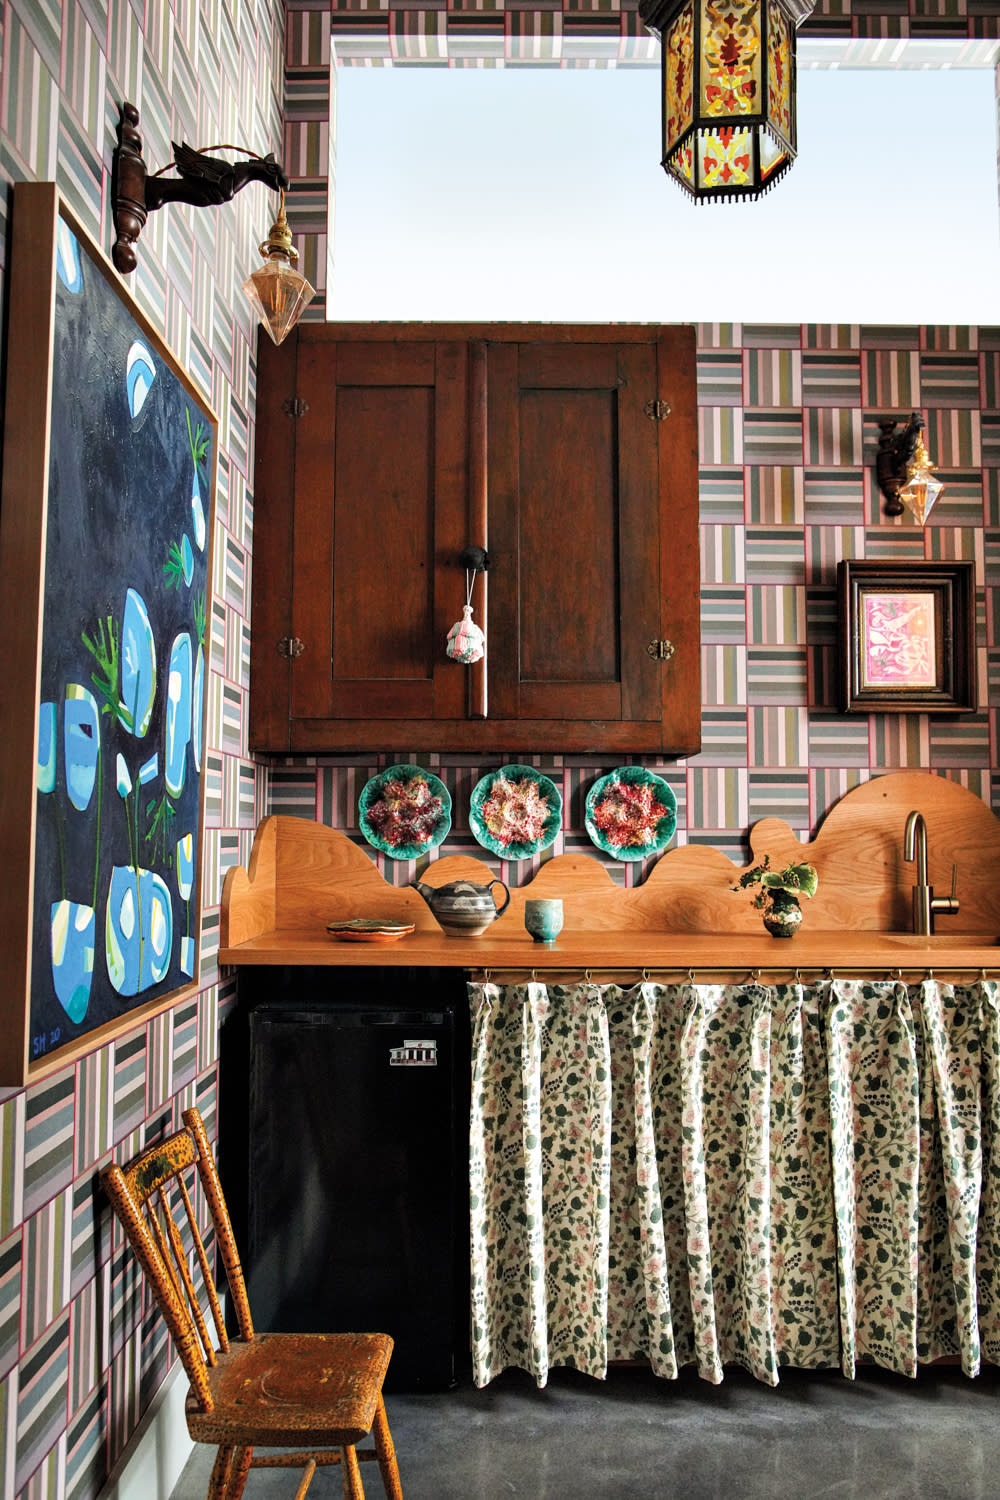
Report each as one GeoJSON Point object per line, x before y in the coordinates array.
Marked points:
{"type": "Point", "coordinates": [515, 812]}
{"type": "Point", "coordinates": [404, 811]}
{"type": "Point", "coordinates": [630, 813]}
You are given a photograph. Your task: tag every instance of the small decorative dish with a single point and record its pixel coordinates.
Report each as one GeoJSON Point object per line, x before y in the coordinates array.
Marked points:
{"type": "Point", "coordinates": [630, 813]}
{"type": "Point", "coordinates": [515, 812]}
{"type": "Point", "coordinates": [369, 930]}
{"type": "Point", "coordinates": [405, 811]}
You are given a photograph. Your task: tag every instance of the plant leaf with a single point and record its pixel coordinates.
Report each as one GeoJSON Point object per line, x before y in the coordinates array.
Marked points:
{"type": "Point", "coordinates": [798, 880]}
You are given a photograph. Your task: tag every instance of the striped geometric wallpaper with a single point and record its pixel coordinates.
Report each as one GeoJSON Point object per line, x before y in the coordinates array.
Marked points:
{"type": "Point", "coordinates": [841, 34]}
{"type": "Point", "coordinates": [788, 429]}
{"type": "Point", "coordinates": [81, 1351]}
{"type": "Point", "coordinates": [546, 24]}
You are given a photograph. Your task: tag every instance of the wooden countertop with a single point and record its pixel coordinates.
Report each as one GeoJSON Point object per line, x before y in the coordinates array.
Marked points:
{"type": "Point", "coordinates": [505, 947]}
{"type": "Point", "coordinates": [685, 915]}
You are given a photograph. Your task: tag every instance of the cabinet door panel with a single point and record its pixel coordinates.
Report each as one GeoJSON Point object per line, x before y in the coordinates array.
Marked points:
{"type": "Point", "coordinates": [567, 536]}
{"type": "Point", "coordinates": [383, 532]}
{"type": "Point", "coordinates": [311, 532]}
{"type": "Point", "coordinates": [574, 531]}
{"type": "Point", "coordinates": [388, 362]}
{"type": "Point", "coordinates": [271, 613]}
{"type": "Point", "coordinates": [576, 366]}
{"type": "Point", "coordinates": [379, 494]}
{"type": "Point", "coordinates": [677, 438]}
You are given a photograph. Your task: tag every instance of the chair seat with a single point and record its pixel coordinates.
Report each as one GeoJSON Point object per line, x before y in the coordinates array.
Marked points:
{"type": "Point", "coordinates": [286, 1389]}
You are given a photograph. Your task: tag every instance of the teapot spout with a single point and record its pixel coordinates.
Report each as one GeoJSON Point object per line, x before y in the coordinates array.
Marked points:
{"type": "Point", "coordinates": [427, 891]}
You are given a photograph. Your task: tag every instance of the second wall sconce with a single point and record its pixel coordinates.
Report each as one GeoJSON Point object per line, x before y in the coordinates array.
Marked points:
{"type": "Point", "coordinates": [904, 469]}
{"type": "Point", "coordinates": [278, 292]}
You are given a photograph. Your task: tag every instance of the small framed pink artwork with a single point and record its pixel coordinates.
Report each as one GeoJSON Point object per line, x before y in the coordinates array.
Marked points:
{"type": "Point", "coordinates": [907, 637]}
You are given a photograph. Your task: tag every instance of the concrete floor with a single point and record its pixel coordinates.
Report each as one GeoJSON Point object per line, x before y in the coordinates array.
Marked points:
{"type": "Point", "coordinates": [632, 1437]}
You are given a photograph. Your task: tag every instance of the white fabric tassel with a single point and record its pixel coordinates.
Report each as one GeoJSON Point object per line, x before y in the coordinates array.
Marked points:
{"type": "Point", "coordinates": [466, 642]}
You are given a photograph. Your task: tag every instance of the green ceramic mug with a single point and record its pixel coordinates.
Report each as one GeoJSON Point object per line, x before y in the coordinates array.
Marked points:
{"type": "Point", "coordinates": [543, 919]}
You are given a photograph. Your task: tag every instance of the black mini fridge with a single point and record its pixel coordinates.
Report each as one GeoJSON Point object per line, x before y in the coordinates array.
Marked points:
{"type": "Point", "coordinates": [357, 1187]}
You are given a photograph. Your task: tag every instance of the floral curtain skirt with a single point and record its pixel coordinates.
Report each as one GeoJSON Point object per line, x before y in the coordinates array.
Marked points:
{"type": "Point", "coordinates": [750, 1174]}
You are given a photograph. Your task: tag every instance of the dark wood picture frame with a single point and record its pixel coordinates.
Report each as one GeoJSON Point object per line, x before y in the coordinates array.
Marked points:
{"type": "Point", "coordinates": [106, 529]}
{"type": "Point", "coordinates": [907, 637]}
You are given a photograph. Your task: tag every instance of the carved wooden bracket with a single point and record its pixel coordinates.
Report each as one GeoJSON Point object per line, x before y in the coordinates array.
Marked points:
{"type": "Point", "coordinates": [204, 181]}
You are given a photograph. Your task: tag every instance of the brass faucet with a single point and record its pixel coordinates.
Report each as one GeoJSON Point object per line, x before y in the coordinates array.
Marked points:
{"type": "Point", "coordinates": [925, 903]}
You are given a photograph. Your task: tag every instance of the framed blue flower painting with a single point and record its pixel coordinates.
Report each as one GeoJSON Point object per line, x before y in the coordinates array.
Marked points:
{"type": "Point", "coordinates": [106, 533]}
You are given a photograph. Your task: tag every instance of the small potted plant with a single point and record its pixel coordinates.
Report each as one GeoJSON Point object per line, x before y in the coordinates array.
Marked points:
{"type": "Point", "coordinates": [779, 894]}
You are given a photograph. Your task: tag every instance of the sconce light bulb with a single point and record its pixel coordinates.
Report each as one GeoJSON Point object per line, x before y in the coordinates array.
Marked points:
{"type": "Point", "coordinates": [278, 292]}
{"type": "Point", "coordinates": [921, 489]}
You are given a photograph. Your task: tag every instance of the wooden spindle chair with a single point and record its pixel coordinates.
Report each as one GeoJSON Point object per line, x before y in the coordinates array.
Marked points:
{"type": "Point", "coordinates": [318, 1392]}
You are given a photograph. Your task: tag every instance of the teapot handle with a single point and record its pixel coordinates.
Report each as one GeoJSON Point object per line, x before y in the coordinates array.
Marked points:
{"type": "Point", "coordinates": [500, 909]}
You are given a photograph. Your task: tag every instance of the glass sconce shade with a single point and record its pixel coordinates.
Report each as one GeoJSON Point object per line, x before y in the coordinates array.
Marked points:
{"type": "Point", "coordinates": [279, 294]}
{"type": "Point", "coordinates": [728, 79]}
{"type": "Point", "coordinates": [921, 489]}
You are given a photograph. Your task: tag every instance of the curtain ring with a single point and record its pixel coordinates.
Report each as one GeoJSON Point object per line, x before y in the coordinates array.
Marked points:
{"type": "Point", "coordinates": [691, 978]}
{"type": "Point", "coordinates": [798, 976]}
{"type": "Point", "coordinates": [533, 980]}
{"type": "Point", "coordinates": [486, 976]}
{"type": "Point", "coordinates": [897, 974]}
{"type": "Point", "coordinates": [586, 977]}
{"type": "Point", "coordinates": [982, 976]}
{"type": "Point", "coordinates": [929, 975]}
{"type": "Point", "coordinates": [830, 975]}
{"type": "Point", "coordinates": [753, 977]}
{"type": "Point", "coordinates": [645, 976]}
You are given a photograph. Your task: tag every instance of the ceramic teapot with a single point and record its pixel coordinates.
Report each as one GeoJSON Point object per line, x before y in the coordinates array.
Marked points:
{"type": "Point", "coordinates": [462, 908]}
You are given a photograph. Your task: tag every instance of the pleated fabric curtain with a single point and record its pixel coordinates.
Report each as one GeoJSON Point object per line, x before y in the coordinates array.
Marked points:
{"type": "Point", "coordinates": [757, 1175]}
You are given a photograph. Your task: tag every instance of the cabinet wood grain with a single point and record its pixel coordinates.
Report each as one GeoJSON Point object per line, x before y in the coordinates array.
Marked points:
{"type": "Point", "coordinates": [550, 447]}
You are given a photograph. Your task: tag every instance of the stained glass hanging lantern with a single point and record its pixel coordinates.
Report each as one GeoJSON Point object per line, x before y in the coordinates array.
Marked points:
{"type": "Point", "coordinates": [728, 81]}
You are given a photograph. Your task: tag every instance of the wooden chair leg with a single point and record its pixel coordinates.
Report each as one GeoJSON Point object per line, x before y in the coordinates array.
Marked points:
{"type": "Point", "coordinates": [218, 1483]}
{"type": "Point", "coordinates": [229, 1473]}
{"type": "Point", "coordinates": [386, 1453]}
{"type": "Point", "coordinates": [351, 1469]}
{"type": "Point", "coordinates": [308, 1474]}
{"type": "Point", "coordinates": [238, 1471]}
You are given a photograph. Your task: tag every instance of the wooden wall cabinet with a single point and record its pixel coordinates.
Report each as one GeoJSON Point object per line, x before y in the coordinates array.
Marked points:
{"type": "Point", "coordinates": [568, 452]}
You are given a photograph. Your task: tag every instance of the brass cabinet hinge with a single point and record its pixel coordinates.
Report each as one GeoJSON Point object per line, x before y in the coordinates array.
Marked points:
{"type": "Point", "coordinates": [657, 411]}
{"type": "Point", "coordinates": [290, 646]}
{"type": "Point", "coordinates": [295, 407]}
{"type": "Point", "coordinates": [661, 650]}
